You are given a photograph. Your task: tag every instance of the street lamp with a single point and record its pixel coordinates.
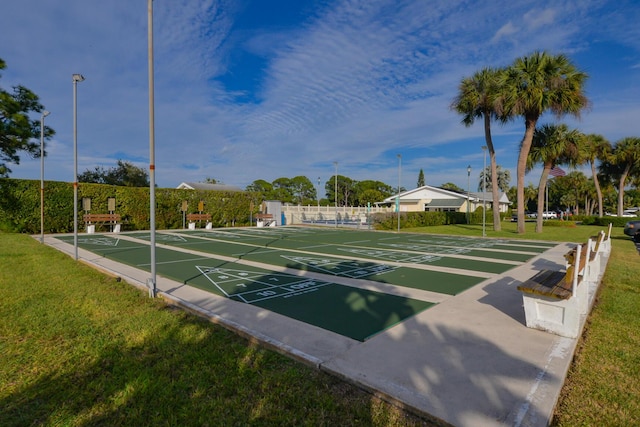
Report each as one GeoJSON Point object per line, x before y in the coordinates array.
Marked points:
{"type": "Point", "coordinates": [44, 114]}
{"type": "Point", "coordinates": [318, 194]}
{"type": "Point", "coordinates": [398, 199]}
{"type": "Point", "coordinates": [335, 191]}
{"type": "Point", "coordinates": [76, 78]}
{"type": "Point", "coordinates": [151, 282]}
{"type": "Point", "coordinates": [468, 193]}
{"type": "Point", "coordinates": [484, 189]}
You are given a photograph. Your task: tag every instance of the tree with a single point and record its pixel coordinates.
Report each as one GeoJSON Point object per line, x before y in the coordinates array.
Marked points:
{"type": "Point", "coordinates": [345, 190]}
{"type": "Point", "coordinates": [17, 130]}
{"type": "Point", "coordinates": [260, 186]}
{"type": "Point", "coordinates": [531, 86]}
{"type": "Point", "coordinates": [369, 191]}
{"type": "Point", "coordinates": [623, 162]}
{"type": "Point", "coordinates": [596, 147]}
{"type": "Point", "coordinates": [552, 145]}
{"type": "Point", "coordinates": [303, 190]}
{"type": "Point", "coordinates": [476, 99]}
{"type": "Point", "coordinates": [125, 174]}
{"type": "Point", "coordinates": [450, 186]}
{"type": "Point", "coordinates": [421, 179]}
{"type": "Point", "coordinates": [504, 178]}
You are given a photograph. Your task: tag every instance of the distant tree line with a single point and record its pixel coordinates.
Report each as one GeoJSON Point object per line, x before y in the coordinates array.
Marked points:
{"type": "Point", "coordinates": [300, 190]}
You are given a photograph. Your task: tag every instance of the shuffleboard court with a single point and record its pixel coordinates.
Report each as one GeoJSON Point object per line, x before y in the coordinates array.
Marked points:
{"type": "Point", "coordinates": [352, 312]}
{"type": "Point", "coordinates": [338, 265]}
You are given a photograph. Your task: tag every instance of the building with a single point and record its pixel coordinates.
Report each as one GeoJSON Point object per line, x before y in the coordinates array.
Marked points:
{"type": "Point", "coordinates": [434, 199]}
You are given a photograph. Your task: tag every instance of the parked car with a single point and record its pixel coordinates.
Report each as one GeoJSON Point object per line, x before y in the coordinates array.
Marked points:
{"type": "Point", "coordinates": [632, 229]}
{"type": "Point", "coordinates": [549, 215]}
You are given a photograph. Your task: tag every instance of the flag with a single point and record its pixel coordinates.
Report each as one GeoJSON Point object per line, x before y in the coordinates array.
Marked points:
{"type": "Point", "coordinates": [556, 172]}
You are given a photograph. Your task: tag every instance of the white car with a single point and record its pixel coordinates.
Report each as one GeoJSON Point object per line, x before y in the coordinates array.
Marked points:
{"type": "Point", "coordinates": [549, 215]}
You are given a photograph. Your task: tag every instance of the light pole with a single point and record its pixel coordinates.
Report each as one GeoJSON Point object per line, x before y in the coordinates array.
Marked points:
{"type": "Point", "coordinates": [318, 194]}
{"type": "Point", "coordinates": [151, 282]}
{"type": "Point", "coordinates": [468, 193]}
{"type": "Point", "coordinates": [44, 114]}
{"type": "Point", "coordinates": [484, 189]}
{"type": "Point", "coordinates": [399, 178]}
{"type": "Point", "coordinates": [76, 78]}
{"type": "Point", "coordinates": [335, 191]}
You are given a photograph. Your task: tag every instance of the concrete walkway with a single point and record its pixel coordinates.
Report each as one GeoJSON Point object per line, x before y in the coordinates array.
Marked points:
{"type": "Point", "coordinates": [468, 361]}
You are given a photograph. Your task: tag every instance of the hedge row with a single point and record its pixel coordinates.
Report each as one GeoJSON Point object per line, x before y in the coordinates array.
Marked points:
{"type": "Point", "coordinates": [389, 221]}
{"type": "Point", "coordinates": [20, 205]}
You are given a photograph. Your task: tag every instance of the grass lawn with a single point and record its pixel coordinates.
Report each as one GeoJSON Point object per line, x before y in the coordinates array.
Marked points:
{"type": "Point", "coordinates": [79, 348]}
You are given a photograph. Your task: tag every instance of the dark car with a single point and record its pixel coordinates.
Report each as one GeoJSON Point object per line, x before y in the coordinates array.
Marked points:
{"type": "Point", "coordinates": [632, 228]}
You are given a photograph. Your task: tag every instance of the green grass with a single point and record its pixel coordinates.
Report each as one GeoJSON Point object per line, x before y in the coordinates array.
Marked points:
{"type": "Point", "coordinates": [79, 348]}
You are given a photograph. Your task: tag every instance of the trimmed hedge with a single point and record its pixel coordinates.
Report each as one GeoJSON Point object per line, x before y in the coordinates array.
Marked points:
{"type": "Point", "coordinates": [20, 205]}
{"type": "Point", "coordinates": [389, 221]}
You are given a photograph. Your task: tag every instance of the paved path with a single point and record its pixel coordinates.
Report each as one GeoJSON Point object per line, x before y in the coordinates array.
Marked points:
{"type": "Point", "coordinates": [468, 361]}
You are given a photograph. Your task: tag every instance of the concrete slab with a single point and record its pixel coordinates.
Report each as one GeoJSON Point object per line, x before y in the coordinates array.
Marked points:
{"type": "Point", "coordinates": [468, 361]}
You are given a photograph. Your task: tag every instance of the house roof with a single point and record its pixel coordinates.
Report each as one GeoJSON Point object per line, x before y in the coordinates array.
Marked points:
{"type": "Point", "coordinates": [207, 186]}
{"type": "Point", "coordinates": [436, 193]}
{"type": "Point", "coordinates": [445, 203]}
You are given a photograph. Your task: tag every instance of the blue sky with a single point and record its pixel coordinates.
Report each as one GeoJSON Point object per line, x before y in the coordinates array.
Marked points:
{"type": "Point", "coordinates": [256, 89]}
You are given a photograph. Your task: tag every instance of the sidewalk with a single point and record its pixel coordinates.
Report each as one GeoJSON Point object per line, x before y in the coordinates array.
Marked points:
{"type": "Point", "coordinates": [468, 361]}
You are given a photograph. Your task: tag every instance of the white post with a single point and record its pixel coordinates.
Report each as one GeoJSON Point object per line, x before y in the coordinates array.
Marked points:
{"type": "Point", "coordinates": [76, 78]}
{"type": "Point", "coordinates": [44, 114]}
{"type": "Point", "coordinates": [576, 267]}
{"type": "Point", "coordinates": [152, 166]}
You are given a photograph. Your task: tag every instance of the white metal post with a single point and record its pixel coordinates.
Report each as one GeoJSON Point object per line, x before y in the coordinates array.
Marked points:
{"type": "Point", "coordinates": [152, 166]}
{"type": "Point", "coordinates": [44, 114]}
{"type": "Point", "coordinates": [76, 78]}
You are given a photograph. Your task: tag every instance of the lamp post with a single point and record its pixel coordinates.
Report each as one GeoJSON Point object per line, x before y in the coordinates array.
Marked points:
{"type": "Point", "coordinates": [76, 78]}
{"type": "Point", "coordinates": [484, 189]}
{"type": "Point", "coordinates": [399, 178]}
{"type": "Point", "coordinates": [318, 194]}
{"type": "Point", "coordinates": [468, 193]}
{"type": "Point", "coordinates": [335, 191]}
{"type": "Point", "coordinates": [151, 282]}
{"type": "Point", "coordinates": [44, 114]}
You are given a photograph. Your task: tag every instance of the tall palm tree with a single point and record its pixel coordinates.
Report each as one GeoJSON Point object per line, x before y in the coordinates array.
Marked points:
{"type": "Point", "coordinates": [624, 161]}
{"type": "Point", "coordinates": [531, 86]}
{"type": "Point", "coordinates": [596, 147]}
{"type": "Point", "coordinates": [552, 145]}
{"type": "Point", "coordinates": [475, 100]}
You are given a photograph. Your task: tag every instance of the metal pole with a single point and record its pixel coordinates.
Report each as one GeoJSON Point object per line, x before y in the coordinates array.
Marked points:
{"type": "Point", "coordinates": [44, 114]}
{"type": "Point", "coordinates": [335, 191]}
{"type": "Point", "coordinates": [152, 167]}
{"type": "Point", "coordinates": [318, 194]}
{"type": "Point", "coordinates": [399, 179]}
{"type": "Point", "coordinates": [76, 78]}
{"type": "Point", "coordinates": [468, 193]}
{"type": "Point", "coordinates": [484, 189]}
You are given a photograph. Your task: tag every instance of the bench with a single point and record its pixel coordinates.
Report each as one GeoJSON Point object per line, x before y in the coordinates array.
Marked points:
{"type": "Point", "coordinates": [263, 220]}
{"type": "Point", "coordinates": [91, 220]}
{"type": "Point", "coordinates": [193, 217]}
{"type": "Point", "coordinates": [558, 301]}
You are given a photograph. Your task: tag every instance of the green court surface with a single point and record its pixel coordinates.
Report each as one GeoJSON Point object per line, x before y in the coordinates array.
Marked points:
{"type": "Point", "coordinates": [352, 312]}
{"type": "Point", "coordinates": [399, 259]}
{"type": "Point", "coordinates": [317, 261]}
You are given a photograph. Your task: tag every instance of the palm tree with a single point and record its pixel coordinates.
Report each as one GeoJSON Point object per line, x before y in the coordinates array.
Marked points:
{"type": "Point", "coordinates": [531, 86]}
{"type": "Point", "coordinates": [624, 161]}
{"type": "Point", "coordinates": [504, 177]}
{"type": "Point", "coordinates": [475, 100]}
{"type": "Point", "coordinates": [596, 147]}
{"type": "Point", "coordinates": [552, 145]}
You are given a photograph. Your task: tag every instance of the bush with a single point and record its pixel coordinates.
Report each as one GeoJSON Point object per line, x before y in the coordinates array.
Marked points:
{"type": "Point", "coordinates": [20, 205]}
